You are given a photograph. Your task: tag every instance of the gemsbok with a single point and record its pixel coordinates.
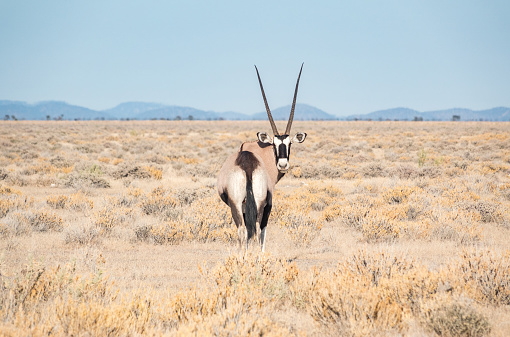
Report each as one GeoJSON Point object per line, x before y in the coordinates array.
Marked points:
{"type": "Point", "coordinates": [247, 178]}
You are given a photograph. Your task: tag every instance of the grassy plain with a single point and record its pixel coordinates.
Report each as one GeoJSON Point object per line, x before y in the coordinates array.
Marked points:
{"type": "Point", "coordinates": [380, 228]}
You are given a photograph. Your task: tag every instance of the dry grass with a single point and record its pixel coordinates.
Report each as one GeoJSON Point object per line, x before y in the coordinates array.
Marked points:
{"type": "Point", "coordinates": [115, 228]}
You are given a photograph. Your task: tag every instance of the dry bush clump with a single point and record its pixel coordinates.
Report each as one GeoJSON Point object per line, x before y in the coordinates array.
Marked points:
{"type": "Point", "coordinates": [197, 221]}
{"type": "Point", "coordinates": [486, 274]}
{"type": "Point", "coordinates": [308, 198]}
{"type": "Point", "coordinates": [301, 228]}
{"type": "Point", "coordinates": [13, 200]}
{"type": "Point", "coordinates": [135, 172]}
{"type": "Point", "coordinates": [454, 318]}
{"type": "Point", "coordinates": [379, 228]}
{"type": "Point", "coordinates": [83, 235]}
{"type": "Point", "coordinates": [25, 222]}
{"type": "Point", "coordinates": [297, 212]}
{"type": "Point", "coordinates": [108, 218]}
{"type": "Point", "coordinates": [369, 294]}
{"type": "Point", "coordinates": [76, 202]}
{"type": "Point", "coordinates": [58, 301]}
{"type": "Point", "coordinates": [373, 170]}
{"type": "Point", "coordinates": [83, 180]}
{"type": "Point", "coordinates": [354, 212]}
{"type": "Point", "coordinates": [489, 212]}
{"type": "Point", "coordinates": [398, 194]}
{"type": "Point", "coordinates": [158, 202]}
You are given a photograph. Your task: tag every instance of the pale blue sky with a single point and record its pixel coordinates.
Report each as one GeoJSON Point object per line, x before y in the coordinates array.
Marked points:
{"type": "Point", "coordinates": [360, 56]}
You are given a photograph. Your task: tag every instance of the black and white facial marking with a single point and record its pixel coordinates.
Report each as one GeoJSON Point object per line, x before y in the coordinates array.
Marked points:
{"type": "Point", "coordinates": [281, 146]}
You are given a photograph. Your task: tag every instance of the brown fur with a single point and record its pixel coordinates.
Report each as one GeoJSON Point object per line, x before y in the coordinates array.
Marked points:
{"type": "Point", "coordinates": [247, 162]}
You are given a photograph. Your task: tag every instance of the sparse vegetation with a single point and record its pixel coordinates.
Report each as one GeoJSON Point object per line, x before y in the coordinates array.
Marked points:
{"type": "Point", "coordinates": [379, 229]}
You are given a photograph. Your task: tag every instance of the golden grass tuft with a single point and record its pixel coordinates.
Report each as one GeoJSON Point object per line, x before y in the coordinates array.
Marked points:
{"type": "Point", "coordinates": [486, 275]}
{"type": "Point", "coordinates": [454, 317]}
{"type": "Point", "coordinates": [76, 202]}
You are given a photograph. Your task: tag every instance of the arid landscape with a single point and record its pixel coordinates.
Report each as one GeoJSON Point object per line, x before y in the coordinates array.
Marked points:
{"type": "Point", "coordinates": [115, 228]}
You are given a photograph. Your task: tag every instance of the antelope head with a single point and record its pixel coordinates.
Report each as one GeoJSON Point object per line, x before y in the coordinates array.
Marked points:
{"type": "Point", "coordinates": [281, 142]}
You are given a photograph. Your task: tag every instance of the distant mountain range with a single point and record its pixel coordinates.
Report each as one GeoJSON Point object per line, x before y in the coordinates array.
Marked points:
{"type": "Point", "coordinates": [494, 114]}
{"type": "Point", "coordinates": [146, 111]}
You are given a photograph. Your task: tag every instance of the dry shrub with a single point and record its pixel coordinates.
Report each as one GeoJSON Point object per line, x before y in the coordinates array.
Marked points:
{"type": "Point", "coordinates": [405, 171]}
{"type": "Point", "coordinates": [158, 202]}
{"type": "Point", "coordinates": [238, 321]}
{"type": "Point", "coordinates": [186, 196]}
{"type": "Point", "coordinates": [430, 172]}
{"type": "Point", "coordinates": [13, 203]}
{"type": "Point", "coordinates": [108, 218]}
{"type": "Point", "coordinates": [85, 179]}
{"type": "Point", "coordinates": [171, 232]}
{"type": "Point", "coordinates": [294, 211]}
{"type": "Point", "coordinates": [375, 266]}
{"type": "Point", "coordinates": [301, 228]}
{"type": "Point", "coordinates": [104, 160]}
{"type": "Point", "coordinates": [379, 228]}
{"type": "Point", "coordinates": [43, 221]}
{"type": "Point", "coordinates": [6, 190]}
{"type": "Point", "coordinates": [155, 173]}
{"type": "Point", "coordinates": [130, 199]}
{"type": "Point", "coordinates": [76, 202]}
{"type": "Point", "coordinates": [20, 223]}
{"type": "Point", "coordinates": [16, 179]}
{"type": "Point", "coordinates": [97, 318]}
{"type": "Point", "coordinates": [455, 317]}
{"type": "Point", "coordinates": [320, 195]}
{"type": "Point", "coordinates": [489, 212]}
{"type": "Point", "coordinates": [44, 167]}
{"type": "Point", "coordinates": [57, 201]}
{"type": "Point", "coordinates": [322, 170]}
{"type": "Point", "coordinates": [373, 170]}
{"type": "Point", "coordinates": [209, 219]}
{"type": "Point", "coordinates": [13, 200]}
{"type": "Point", "coordinates": [295, 172]}
{"type": "Point", "coordinates": [368, 294]}
{"type": "Point", "coordinates": [236, 292]}
{"type": "Point", "coordinates": [453, 224]}
{"type": "Point", "coordinates": [82, 235]}
{"type": "Point", "coordinates": [354, 213]}
{"type": "Point", "coordinates": [398, 194]}
{"type": "Point", "coordinates": [14, 225]}
{"type": "Point", "coordinates": [204, 220]}
{"type": "Point", "coordinates": [58, 301]}
{"type": "Point", "coordinates": [485, 274]}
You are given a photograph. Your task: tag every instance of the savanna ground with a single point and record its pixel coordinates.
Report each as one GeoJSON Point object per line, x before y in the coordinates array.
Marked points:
{"type": "Point", "coordinates": [380, 228]}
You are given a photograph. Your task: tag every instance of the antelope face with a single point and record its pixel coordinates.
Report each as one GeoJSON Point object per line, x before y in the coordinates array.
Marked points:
{"type": "Point", "coordinates": [281, 146]}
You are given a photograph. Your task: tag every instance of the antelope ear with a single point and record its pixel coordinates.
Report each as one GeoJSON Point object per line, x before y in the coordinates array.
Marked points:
{"type": "Point", "coordinates": [264, 138]}
{"type": "Point", "coordinates": [299, 137]}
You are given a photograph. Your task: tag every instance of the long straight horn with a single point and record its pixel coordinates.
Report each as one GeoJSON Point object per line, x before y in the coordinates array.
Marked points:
{"type": "Point", "coordinates": [273, 125]}
{"type": "Point", "coordinates": [289, 124]}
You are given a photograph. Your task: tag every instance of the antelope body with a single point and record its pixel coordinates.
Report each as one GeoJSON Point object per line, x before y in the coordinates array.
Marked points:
{"type": "Point", "coordinates": [247, 179]}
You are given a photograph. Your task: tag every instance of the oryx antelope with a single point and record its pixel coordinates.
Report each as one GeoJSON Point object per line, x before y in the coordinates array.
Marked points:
{"type": "Point", "coordinates": [247, 178]}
